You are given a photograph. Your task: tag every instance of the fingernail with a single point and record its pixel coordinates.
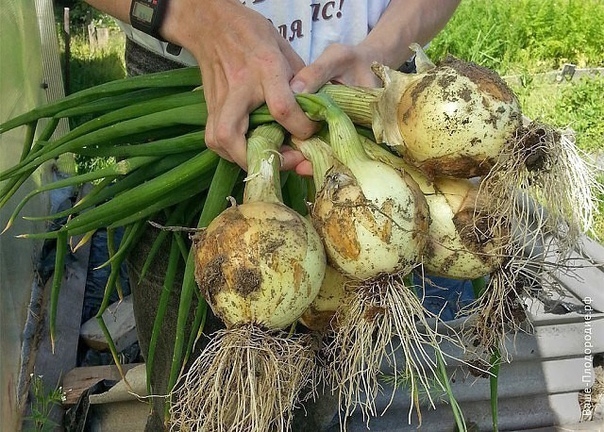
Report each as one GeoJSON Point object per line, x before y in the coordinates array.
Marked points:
{"type": "Point", "coordinates": [297, 86]}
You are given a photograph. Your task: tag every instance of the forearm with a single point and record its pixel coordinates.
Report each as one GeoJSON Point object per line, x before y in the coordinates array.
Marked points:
{"type": "Point", "coordinates": [405, 22]}
{"type": "Point", "coordinates": [184, 20]}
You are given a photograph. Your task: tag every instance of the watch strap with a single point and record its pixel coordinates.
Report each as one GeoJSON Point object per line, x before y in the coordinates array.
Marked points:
{"type": "Point", "coordinates": [148, 16]}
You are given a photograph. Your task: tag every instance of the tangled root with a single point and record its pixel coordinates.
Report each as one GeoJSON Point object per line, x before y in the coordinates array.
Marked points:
{"type": "Point", "coordinates": [377, 319]}
{"type": "Point", "coordinates": [246, 379]}
{"type": "Point", "coordinates": [542, 173]}
{"type": "Point", "coordinates": [501, 311]}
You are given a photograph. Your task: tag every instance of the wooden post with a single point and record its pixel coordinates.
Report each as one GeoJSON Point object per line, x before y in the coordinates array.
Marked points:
{"type": "Point", "coordinates": [92, 37]}
{"type": "Point", "coordinates": [67, 38]}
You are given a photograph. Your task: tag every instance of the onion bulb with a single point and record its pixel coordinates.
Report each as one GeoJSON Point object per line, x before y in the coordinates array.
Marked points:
{"type": "Point", "coordinates": [371, 217]}
{"type": "Point", "coordinates": [448, 120]}
{"type": "Point", "coordinates": [259, 265]}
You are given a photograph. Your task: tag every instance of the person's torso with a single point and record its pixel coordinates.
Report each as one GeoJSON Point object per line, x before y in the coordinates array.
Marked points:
{"type": "Point", "coordinates": [308, 25]}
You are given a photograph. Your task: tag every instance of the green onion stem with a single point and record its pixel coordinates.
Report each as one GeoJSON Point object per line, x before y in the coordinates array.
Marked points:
{"type": "Point", "coordinates": [222, 185]}
{"type": "Point", "coordinates": [169, 199]}
{"type": "Point", "coordinates": [444, 379]}
{"type": "Point", "coordinates": [108, 189]}
{"type": "Point", "coordinates": [140, 197]}
{"type": "Point", "coordinates": [57, 280]}
{"type": "Point", "coordinates": [319, 153]}
{"type": "Point", "coordinates": [189, 115]}
{"type": "Point", "coordinates": [113, 103]}
{"type": "Point", "coordinates": [30, 132]}
{"type": "Point", "coordinates": [167, 290]}
{"type": "Point", "coordinates": [161, 147]}
{"type": "Point", "coordinates": [120, 168]}
{"type": "Point", "coordinates": [14, 183]}
{"type": "Point", "coordinates": [494, 385]}
{"type": "Point", "coordinates": [172, 78]}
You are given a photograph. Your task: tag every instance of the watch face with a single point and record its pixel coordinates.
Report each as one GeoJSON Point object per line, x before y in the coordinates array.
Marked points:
{"type": "Point", "coordinates": [142, 12]}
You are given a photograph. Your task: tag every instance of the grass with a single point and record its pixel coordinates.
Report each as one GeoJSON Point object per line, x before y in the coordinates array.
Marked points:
{"type": "Point", "coordinates": [43, 401]}
{"type": "Point", "coordinates": [89, 67]}
{"type": "Point", "coordinates": [525, 36]}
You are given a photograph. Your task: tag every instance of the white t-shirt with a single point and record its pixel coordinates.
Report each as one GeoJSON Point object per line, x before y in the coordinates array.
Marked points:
{"type": "Point", "coordinates": [309, 25]}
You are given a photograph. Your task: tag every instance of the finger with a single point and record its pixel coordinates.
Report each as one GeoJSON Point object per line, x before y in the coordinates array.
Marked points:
{"type": "Point", "coordinates": [286, 111]}
{"type": "Point", "coordinates": [312, 77]}
{"type": "Point", "coordinates": [290, 158]}
{"type": "Point", "coordinates": [304, 168]}
{"type": "Point", "coordinates": [226, 129]}
{"type": "Point", "coordinates": [326, 67]}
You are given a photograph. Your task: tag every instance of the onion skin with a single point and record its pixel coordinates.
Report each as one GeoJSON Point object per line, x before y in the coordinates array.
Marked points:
{"type": "Point", "coordinates": [259, 263]}
{"type": "Point", "coordinates": [448, 120]}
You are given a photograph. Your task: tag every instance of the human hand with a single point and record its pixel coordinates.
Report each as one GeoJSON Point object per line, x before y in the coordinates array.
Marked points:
{"type": "Point", "coordinates": [350, 65]}
{"type": "Point", "coordinates": [343, 64]}
{"type": "Point", "coordinates": [244, 63]}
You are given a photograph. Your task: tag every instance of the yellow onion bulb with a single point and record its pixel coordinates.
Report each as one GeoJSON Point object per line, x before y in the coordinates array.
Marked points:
{"type": "Point", "coordinates": [259, 263]}
{"type": "Point", "coordinates": [372, 219]}
{"type": "Point", "coordinates": [463, 242]}
{"type": "Point", "coordinates": [453, 119]}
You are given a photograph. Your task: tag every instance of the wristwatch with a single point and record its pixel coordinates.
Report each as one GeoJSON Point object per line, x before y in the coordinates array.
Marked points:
{"type": "Point", "coordinates": [148, 15]}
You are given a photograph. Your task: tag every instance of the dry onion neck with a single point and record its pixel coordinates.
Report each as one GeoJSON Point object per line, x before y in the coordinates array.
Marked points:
{"type": "Point", "coordinates": [320, 154]}
{"type": "Point", "coordinates": [356, 102]}
{"type": "Point", "coordinates": [263, 180]}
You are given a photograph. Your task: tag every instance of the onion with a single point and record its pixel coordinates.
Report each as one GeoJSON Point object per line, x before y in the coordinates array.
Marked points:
{"type": "Point", "coordinates": [370, 216]}
{"type": "Point", "coordinates": [468, 239]}
{"type": "Point", "coordinates": [259, 265]}
{"type": "Point", "coordinates": [373, 220]}
{"type": "Point", "coordinates": [447, 120]}
{"type": "Point", "coordinates": [462, 242]}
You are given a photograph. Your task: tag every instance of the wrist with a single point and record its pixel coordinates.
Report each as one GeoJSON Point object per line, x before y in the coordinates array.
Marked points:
{"type": "Point", "coordinates": [148, 16]}
{"type": "Point", "coordinates": [186, 20]}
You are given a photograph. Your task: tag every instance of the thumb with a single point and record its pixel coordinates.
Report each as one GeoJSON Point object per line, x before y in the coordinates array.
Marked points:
{"type": "Point", "coordinates": [311, 78]}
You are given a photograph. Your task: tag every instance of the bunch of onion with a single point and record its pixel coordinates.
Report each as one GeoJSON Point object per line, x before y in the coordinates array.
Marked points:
{"type": "Point", "coordinates": [259, 265]}
{"type": "Point", "coordinates": [372, 219]}
{"type": "Point", "coordinates": [458, 119]}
